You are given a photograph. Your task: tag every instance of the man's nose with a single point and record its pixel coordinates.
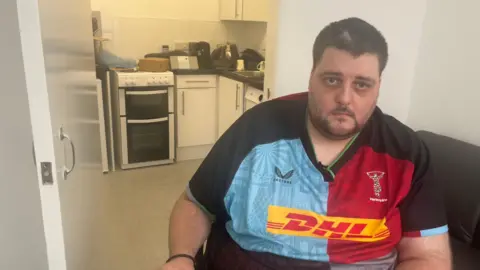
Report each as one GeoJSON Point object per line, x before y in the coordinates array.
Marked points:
{"type": "Point", "coordinates": [344, 95]}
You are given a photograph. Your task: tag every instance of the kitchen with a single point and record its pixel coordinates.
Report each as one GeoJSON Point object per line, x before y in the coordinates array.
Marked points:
{"type": "Point", "coordinates": [213, 71]}
{"type": "Point", "coordinates": [156, 127]}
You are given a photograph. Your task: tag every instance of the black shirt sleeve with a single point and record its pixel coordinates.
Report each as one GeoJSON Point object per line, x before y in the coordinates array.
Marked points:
{"type": "Point", "coordinates": [212, 180]}
{"type": "Point", "coordinates": [422, 211]}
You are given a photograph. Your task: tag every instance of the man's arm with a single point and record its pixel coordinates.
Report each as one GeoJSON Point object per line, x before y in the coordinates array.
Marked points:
{"type": "Point", "coordinates": [430, 252]}
{"type": "Point", "coordinates": [425, 243]}
{"type": "Point", "coordinates": [189, 227]}
{"type": "Point", "coordinates": [203, 199]}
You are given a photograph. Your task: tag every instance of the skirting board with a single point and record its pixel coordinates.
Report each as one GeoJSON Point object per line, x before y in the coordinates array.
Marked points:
{"type": "Point", "coordinates": [194, 152]}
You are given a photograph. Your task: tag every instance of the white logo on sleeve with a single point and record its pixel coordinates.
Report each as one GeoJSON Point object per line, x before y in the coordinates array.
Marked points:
{"type": "Point", "coordinates": [376, 176]}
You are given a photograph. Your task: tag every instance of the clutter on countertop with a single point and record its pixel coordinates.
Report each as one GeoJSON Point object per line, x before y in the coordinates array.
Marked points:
{"type": "Point", "coordinates": [251, 58]}
{"type": "Point", "coordinates": [111, 60]}
{"type": "Point", "coordinates": [154, 64]}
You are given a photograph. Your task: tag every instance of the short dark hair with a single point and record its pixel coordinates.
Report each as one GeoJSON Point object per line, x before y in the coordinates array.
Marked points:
{"type": "Point", "coordinates": [353, 35]}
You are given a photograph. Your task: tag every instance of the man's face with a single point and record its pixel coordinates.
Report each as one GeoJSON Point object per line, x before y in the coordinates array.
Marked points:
{"type": "Point", "coordinates": [343, 92]}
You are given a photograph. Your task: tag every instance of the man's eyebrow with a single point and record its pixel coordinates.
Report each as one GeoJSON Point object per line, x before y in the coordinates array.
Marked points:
{"type": "Point", "coordinates": [330, 73]}
{"type": "Point", "coordinates": [367, 79]}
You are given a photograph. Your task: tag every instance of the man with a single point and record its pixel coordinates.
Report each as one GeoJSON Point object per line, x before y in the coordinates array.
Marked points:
{"type": "Point", "coordinates": [318, 180]}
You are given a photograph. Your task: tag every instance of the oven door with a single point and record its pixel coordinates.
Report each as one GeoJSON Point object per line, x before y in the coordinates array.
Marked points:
{"type": "Point", "coordinates": [146, 103]}
{"type": "Point", "coordinates": [147, 140]}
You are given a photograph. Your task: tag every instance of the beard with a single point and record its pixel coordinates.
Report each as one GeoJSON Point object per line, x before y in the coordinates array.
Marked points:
{"type": "Point", "coordinates": [326, 127]}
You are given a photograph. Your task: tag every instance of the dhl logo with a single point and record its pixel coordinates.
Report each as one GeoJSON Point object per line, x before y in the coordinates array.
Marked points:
{"type": "Point", "coordinates": [289, 221]}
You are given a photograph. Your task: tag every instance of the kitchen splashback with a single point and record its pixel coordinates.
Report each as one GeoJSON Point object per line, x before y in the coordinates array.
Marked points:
{"type": "Point", "coordinates": [135, 37]}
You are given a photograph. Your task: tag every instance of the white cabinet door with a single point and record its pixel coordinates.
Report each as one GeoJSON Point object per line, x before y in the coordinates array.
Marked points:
{"type": "Point", "coordinates": [196, 116]}
{"type": "Point", "coordinates": [231, 10]}
{"type": "Point", "coordinates": [230, 103]}
{"type": "Point", "coordinates": [255, 10]}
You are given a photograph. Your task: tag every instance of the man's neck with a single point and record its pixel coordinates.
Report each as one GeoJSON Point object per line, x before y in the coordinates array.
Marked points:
{"type": "Point", "coordinates": [326, 150]}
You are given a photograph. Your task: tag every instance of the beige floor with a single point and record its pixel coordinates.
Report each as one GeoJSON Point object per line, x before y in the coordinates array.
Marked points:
{"type": "Point", "coordinates": [134, 234]}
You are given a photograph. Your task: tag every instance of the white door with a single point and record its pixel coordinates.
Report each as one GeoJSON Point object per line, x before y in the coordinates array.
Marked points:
{"type": "Point", "coordinates": [255, 10]}
{"type": "Point", "coordinates": [231, 10]}
{"type": "Point", "coordinates": [59, 68]}
{"type": "Point", "coordinates": [230, 103]}
{"type": "Point", "coordinates": [196, 116]}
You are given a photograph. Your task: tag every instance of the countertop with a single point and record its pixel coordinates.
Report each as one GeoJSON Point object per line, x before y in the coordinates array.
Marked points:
{"type": "Point", "coordinates": [256, 83]}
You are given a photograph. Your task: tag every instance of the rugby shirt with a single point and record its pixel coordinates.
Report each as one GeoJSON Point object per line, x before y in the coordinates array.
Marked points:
{"type": "Point", "coordinates": [277, 207]}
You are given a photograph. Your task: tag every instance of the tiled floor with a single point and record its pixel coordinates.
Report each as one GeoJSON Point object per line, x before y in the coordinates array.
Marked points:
{"type": "Point", "coordinates": [134, 231]}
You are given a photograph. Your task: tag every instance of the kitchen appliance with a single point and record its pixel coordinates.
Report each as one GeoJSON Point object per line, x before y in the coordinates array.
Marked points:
{"type": "Point", "coordinates": [253, 97]}
{"type": "Point", "coordinates": [251, 59]}
{"type": "Point", "coordinates": [144, 118]}
{"type": "Point", "coordinates": [184, 62]}
{"type": "Point", "coordinates": [202, 51]}
{"type": "Point", "coordinates": [225, 56]}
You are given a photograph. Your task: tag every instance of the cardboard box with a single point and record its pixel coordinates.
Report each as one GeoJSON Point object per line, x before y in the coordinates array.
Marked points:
{"type": "Point", "coordinates": [153, 64]}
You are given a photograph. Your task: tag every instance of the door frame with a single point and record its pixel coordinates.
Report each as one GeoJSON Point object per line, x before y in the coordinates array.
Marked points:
{"type": "Point", "coordinates": [44, 140]}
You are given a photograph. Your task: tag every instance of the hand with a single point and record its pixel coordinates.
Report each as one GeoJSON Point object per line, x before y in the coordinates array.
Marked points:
{"type": "Point", "coordinates": [179, 264]}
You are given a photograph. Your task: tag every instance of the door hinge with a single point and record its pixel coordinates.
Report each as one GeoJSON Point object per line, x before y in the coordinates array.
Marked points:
{"type": "Point", "coordinates": [46, 171]}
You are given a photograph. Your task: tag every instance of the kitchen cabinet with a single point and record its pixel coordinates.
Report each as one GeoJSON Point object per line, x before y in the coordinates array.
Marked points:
{"type": "Point", "coordinates": [196, 116]}
{"type": "Point", "coordinates": [244, 10]}
{"type": "Point", "coordinates": [230, 103]}
{"type": "Point", "coordinates": [231, 10]}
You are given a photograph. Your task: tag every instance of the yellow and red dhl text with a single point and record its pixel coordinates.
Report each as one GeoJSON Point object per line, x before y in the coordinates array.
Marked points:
{"type": "Point", "coordinates": [295, 222]}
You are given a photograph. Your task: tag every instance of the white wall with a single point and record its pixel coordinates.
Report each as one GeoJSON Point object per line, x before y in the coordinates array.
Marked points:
{"type": "Point", "coordinates": [446, 92]}
{"type": "Point", "coordinates": [140, 27]}
{"type": "Point", "coordinates": [195, 10]}
{"type": "Point", "coordinates": [22, 241]}
{"type": "Point", "coordinates": [301, 21]}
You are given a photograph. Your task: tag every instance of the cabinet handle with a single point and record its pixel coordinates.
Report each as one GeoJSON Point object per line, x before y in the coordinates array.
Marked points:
{"type": "Point", "coordinates": [236, 99]}
{"type": "Point", "coordinates": [197, 81]}
{"type": "Point", "coordinates": [268, 93]}
{"type": "Point", "coordinates": [236, 9]}
{"type": "Point", "coordinates": [183, 103]}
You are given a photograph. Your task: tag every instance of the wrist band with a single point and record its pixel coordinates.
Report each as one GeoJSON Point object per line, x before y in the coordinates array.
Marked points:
{"type": "Point", "coordinates": [181, 256]}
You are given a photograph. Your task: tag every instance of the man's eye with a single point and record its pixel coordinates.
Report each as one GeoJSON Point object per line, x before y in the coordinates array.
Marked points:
{"type": "Point", "coordinates": [362, 85]}
{"type": "Point", "coordinates": [332, 81]}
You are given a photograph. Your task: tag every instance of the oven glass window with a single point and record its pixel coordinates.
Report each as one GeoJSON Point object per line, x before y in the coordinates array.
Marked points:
{"type": "Point", "coordinates": [146, 104]}
{"type": "Point", "coordinates": [148, 142]}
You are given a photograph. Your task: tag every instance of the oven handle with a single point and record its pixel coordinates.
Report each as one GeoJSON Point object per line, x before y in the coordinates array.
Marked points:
{"type": "Point", "coordinates": [148, 121]}
{"type": "Point", "coordinates": [146, 93]}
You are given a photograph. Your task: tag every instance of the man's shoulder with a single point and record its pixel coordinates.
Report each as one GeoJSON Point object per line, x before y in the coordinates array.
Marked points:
{"type": "Point", "coordinates": [396, 138]}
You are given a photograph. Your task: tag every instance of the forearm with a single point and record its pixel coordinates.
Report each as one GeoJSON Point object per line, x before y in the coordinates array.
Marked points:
{"type": "Point", "coordinates": [421, 264]}
{"type": "Point", "coordinates": [415, 264]}
{"type": "Point", "coordinates": [189, 227]}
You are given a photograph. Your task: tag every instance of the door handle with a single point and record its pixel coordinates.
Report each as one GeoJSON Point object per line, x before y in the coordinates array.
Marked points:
{"type": "Point", "coordinates": [183, 103]}
{"type": "Point", "coordinates": [67, 171]}
{"type": "Point", "coordinates": [146, 93]}
{"type": "Point", "coordinates": [148, 121]}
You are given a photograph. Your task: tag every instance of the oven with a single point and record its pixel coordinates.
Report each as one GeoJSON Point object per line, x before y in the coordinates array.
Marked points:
{"type": "Point", "coordinates": [146, 124]}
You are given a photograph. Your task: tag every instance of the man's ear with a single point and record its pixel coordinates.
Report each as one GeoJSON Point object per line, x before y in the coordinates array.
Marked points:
{"type": "Point", "coordinates": [313, 70]}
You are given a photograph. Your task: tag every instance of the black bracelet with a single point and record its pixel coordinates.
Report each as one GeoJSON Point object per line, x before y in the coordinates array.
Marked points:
{"type": "Point", "coordinates": [181, 256]}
